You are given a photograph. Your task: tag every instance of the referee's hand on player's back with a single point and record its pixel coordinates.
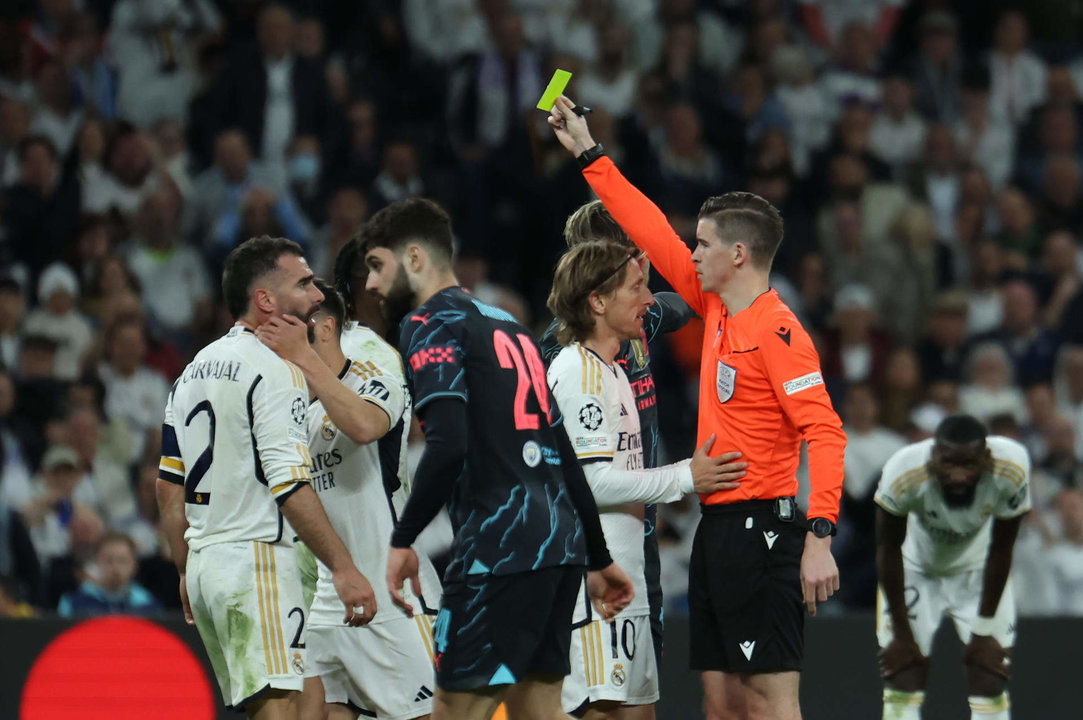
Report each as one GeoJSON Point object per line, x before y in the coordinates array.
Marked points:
{"type": "Point", "coordinates": [712, 474]}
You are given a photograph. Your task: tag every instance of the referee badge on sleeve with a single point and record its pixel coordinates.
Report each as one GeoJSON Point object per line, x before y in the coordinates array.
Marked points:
{"type": "Point", "coordinates": [725, 381]}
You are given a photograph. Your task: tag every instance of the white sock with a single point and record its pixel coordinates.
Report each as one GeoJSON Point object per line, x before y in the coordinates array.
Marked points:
{"type": "Point", "coordinates": [990, 708]}
{"type": "Point", "coordinates": [900, 705]}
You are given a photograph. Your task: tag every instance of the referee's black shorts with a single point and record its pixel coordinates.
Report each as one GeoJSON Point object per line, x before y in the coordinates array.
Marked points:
{"type": "Point", "coordinates": [744, 589]}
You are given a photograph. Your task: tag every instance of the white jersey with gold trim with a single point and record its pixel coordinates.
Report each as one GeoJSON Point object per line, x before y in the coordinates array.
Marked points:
{"type": "Point", "coordinates": [942, 539]}
{"type": "Point", "coordinates": [602, 422]}
{"type": "Point", "coordinates": [362, 343]}
{"type": "Point", "coordinates": [235, 436]}
{"type": "Point", "coordinates": [362, 492]}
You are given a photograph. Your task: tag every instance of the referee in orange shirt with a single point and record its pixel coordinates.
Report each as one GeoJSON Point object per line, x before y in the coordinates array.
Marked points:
{"type": "Point", "coordinates": [754, 560]}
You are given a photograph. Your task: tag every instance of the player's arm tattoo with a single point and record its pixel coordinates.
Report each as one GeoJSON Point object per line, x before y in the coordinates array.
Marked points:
{"type": "Point", "coordinates": [890, 533]}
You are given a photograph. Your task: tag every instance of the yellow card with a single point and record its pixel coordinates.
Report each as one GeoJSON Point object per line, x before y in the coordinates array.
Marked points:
{"type": "Point", "coordinates": [554, 90]}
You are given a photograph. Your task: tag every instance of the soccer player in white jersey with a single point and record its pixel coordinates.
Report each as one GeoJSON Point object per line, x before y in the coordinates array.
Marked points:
{"type": "Point", "coordinates": [600, 296]}
{"type": "Point", "coordinates": [949, 512]}
{"type": "Point", "coordinates": [364, 328]}
{"type": "Point", "coordinates": [357, 423]}
{"type": "Point", "coordinates": [235, 467]}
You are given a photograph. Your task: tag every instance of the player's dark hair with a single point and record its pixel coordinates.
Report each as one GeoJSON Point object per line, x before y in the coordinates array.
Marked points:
{"type": "Point", "coordinates": [747, 218]}
{"type": "Point", "coordinates": [343, 273]}
{"type": "Point", "coordinates": [593, 222]}
{"type": "Point", "coordinates": [332, 304]}
{"type": "Point", "coordinates": [247, 263]}
{"type": "Point", "coordinates": [415, 220]}
{"type": "Point", "coordinates": [960, 430]}
{"type": "Point", "coordinates": [590, 267]}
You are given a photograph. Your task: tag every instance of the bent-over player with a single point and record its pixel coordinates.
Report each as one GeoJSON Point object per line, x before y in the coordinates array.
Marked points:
{"type": "Point", "coordinates": [950, 510]}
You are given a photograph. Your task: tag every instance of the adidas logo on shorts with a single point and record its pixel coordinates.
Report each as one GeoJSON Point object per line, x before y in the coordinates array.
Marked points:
{"type": "Point", "coordinates": [423, 694]}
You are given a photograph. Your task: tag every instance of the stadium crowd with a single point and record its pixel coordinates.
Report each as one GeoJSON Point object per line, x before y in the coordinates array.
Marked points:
{"type": "Point", "coordinates": [927, 158]}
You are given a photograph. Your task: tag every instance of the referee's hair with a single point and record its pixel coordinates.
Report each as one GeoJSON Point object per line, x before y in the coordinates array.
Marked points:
{"type": "Point", "coordinates": [960, 430]}
{"type": "Point", "coordinates": [247, 263]}
{"type": "Point", "coordinates": [415, 220]}
{"type": "Point", "coordinates": [746, 218]}
{"type": "Point", "coordinates": [332, 304]}
{"type": "Point", "coordinates": [593, 266]}
{"type": "Point", "coordinates": [593, 222]}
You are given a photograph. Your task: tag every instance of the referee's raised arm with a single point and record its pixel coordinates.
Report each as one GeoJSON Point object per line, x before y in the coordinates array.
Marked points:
{"type": "Point", "coordinates": [761, 392]}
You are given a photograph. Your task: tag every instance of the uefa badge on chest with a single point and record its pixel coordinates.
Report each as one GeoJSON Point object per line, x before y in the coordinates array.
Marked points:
{"type": "Point", "coordinates": [725, 381]}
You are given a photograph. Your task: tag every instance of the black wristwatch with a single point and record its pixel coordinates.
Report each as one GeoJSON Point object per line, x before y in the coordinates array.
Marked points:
{"type": "Point", "coordinates": [590, 155]}
{"type": "Point", "coordinates": [821, 527]}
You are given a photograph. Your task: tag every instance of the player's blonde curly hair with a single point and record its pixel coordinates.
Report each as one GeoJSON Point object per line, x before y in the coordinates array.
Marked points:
{"type": "Point", "coordinates": [594, 266]}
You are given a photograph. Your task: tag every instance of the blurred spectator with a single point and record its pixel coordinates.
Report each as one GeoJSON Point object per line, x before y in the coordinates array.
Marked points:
{"type": "Point", "coordinates": [42, 208]}
{"type": "Point", "coordinates": [172, 154]}
{"type": "Point", "coordinates": [261, 212]}
{"type": "Point", "coordinates": [59, 319]}
{"type": "Point", "coordinates": [491, 93]}
{"type": "Point", "coordinates": [88, 159]}
{"type": "Point", "coordinates": [39, 395]}
{"type": "Point", "coordinates": [43, 31]}
{"type": "Point", "coordinates": [361, 162]}
{"type": "Point", "coordinates": [853, 76]}
{"type": "Point", "coordinates": [270, 94]}
{"type": "Point", "coordinates": [942, 348]}
{"type": "Point", "coordinates": [984, 300]}
{"type": "Point", "coordinates": [1041, 412]}
{"type": "Point", "coordinates": [825, 20]}
{"type": "Point", "coordinates": [937, 180]}
{"type": "Point", "coordinates": [1057, 139]}
{"type": "Point", "coordinates": [12, 309]}
{"type": "Point", "coordinates": [989, 390]}
{"type": "Point", "coordinates": [18, 442]}
{"type": "Point", "coordinates": [110, 587]}
{"type": "Point", "coordinates": [689, 169]}
{"type": "Point", "coordinates": [902, 389]}
{"type": "Point", "coordinates": [219, 189]}
{"type": "Point", "coordinates": [400, 175]}
{"type": "Point", "coordinates": [133, 392]}
{"type": "Point", "coordinates": [94, 82]}
{"type": "Point", "coordinates": [1066, 555]}
{"type": "Point", "coordinates": [983, 138]}
{"type": "Point", "coordinates": [15, 83]}
{"type": "Point", "coordinates": [1031, 347]}
{"type": "Point", "coordinates": [305, 177]}
{"type": "Point", "coordinates": [154, 47]}
{"type": "Point", "coordinates": [610, 84]}
{"type": "Point", "coordinates": [1060, 206]}
{"type": "Point", "coordinates": [905, 278]}
{"type": "Point", "coordinates": [1018, 75]}
{"type": "Point", "coordinates": [55, 116]}
{"type": "Point", "coordinates": [105, 483]}
{"type": "Point", "coordinates": [898, 133]}
{"type": "Point", "coordinates": [848, 180]}
{"type": "Point", "coordinates": [447, 30]}
{"type": "Point", "coordinates": [160, 259]}
{"type": "Point", "coordinates": [855, 351]}
{"type": "Point", "coordinates": [938, 69]}
{"type": "Point", "coordinates": [1058, 276]}
{"type": "Point", "coordinates": [130, 175]}
{"type": "Point", "coordinates": [347, 210]}
{"type": "Point", "coordinates": [1059, 460]}
{"type": "Point", "coordinates": [55, 501]}
{"type": "Point", "coordinates": [815, 289]}
{"type": "Point", "coordinates": [14, 126]}
{"type": "Point", "coordinates": [804, 102]}
{"type": "Point", "coordinates": [1018, 226]}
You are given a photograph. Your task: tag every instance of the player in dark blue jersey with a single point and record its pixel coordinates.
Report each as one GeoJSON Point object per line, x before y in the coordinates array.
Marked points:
{"type": "Point", "coordinates": [526, 526]}
{"type": "Point", "coordinates": [669, 313]}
